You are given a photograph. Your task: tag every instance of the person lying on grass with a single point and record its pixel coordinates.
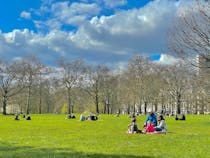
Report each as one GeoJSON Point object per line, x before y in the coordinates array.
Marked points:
{"type": "Point", "coordinates": [133, 128]}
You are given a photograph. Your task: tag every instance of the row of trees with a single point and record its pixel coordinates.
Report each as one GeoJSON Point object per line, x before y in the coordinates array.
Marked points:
{"type": "Point", "coordinates": [74, 86]}
{"type": "Point", "coordinates": [189, 38]}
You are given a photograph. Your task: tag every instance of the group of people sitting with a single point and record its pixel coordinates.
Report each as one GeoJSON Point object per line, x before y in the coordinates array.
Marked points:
{"type": "Point", "coordinates": [91, 117]}
{"type": "Point", "coordinates": [28, 117]}
{"type": "Point", "coordinates": [151, 125]}
{"type": "Point", "coordinates": [70, 116]}
{"type": "Point", "coordinates": [182, 117]}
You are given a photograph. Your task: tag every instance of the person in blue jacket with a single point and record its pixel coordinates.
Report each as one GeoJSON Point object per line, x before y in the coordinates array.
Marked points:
{"type": "Point", "coordinates": [151, 117]}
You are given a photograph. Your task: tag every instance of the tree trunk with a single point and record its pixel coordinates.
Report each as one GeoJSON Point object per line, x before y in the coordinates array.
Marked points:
{"type": "Point", "coordinates": [111, 110]}
{"type": "Point", "coordinates": [40, 100]}
{"type": "Point", "coordinates": [48, 107]}
{"type": "Point", "coordinates": [108, 106]}
{"type": "Point", "coordinates": [69, 101]}
{"type": "Point", "coordinates": [128, 109]}
{"type": "Point", "coordinates": [156, 106]}
{"type": "Point", "coordinates": [178, 103]}
{"type": "Point", "coordinates": [28, 100]}
{"type": "Point", "coordinates": [139, 108]}
{"type": "Point", "coordinates": [96, 103]}
{"type": "Point", "coordinates": [134, 107]}
{"type": "Point", "coordinates": [145, 107]}
{"type": "Point", "coordinates": [196, 105]}
{"type": "Point", "coordinates": [162, 104]}
{"type": "Point", "coordinates": [72, 108]}
{"type": "Point", "coordinates": [21, 109]}
{"type": "Point", "coordinates": [104, 110]}
{"type": "Point", "coordinates": [202, 105]}
{"type": "Point", "coordinates": [4, 112]}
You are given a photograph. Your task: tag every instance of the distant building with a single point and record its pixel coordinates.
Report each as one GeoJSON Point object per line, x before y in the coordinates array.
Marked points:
{"type": "Point", "coordinates": [204, 73]}
{"type": "Point", "coordinates": [204, 65]}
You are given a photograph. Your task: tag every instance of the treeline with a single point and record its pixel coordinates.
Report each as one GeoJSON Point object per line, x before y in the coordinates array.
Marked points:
{"type": "Point", "coordinates": [29, 86]}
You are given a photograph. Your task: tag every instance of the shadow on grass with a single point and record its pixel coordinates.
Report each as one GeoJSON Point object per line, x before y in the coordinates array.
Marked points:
{"type": "Point", "coordinates": [9, 151]}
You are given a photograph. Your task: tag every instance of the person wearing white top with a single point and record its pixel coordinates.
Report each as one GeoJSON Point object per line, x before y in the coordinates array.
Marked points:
{"type": "Point", "coordinates": [161, 124]}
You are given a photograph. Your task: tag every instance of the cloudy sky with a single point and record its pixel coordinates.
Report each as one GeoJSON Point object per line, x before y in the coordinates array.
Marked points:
{"type": "Point", "coordinates": [107, 32]}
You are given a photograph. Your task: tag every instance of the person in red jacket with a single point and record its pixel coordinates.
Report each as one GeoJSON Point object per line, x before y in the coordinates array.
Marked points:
{"type": "Point", "coordinates": [149, 128]}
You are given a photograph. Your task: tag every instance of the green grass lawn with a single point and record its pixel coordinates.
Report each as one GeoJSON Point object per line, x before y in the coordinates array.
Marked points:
{"type": "Point", "coordinates": [52, 136]}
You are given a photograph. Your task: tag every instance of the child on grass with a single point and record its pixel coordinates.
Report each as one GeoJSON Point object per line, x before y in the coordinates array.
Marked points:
{"type": "Point", "coordinates": [133, 128]}
{"type": "Point", "coordinates": [149, 128]}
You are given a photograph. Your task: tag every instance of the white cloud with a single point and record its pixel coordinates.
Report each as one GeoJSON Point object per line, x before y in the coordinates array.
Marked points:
{"type": "Point", "coordinates": [66, 13]}
{"type": "Point", "coordinates": [166, 59]}
{"type": "Point", "coordinates": [17, 58]}
{"type": "Point", "coordinates": [25, 15]}
{"type": "Point", "coordinates": [83, 8]}
{"type": "Point", "coordinates": [138, 30]}
{"type": "Point", "coordinates": [110, 39]}
{"type": "Point", "coordinates": [114, 3]}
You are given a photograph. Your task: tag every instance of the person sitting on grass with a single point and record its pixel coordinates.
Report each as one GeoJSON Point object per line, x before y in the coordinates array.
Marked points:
{"type": "Point", "coordinates": [161, 127]}
{"type": "Point", "coordinates": [92, 117]}
{"type": "Point", "coordinates": [17, 117]}
{"type": "Point", "coordinates": [176, 117]}
{"type": "Point", "coordinates": [152, 118]}
{"type": "Point", "coordinates": [149, 128]}
{"type": "Point", "coordinates": [28, 117]}
{"type": "Point", "coordinates": [70, 116]}
{"type": "Point", "coordinates": [132, 116]}
{"type": "Point", "coordinates": [183, 117]}
{"type": "Point", "coordinates": [82, 117]}
{"type": "Point", "coordinates": [117, 114]}
{"type": "Point", "coordinates": [133, 128]}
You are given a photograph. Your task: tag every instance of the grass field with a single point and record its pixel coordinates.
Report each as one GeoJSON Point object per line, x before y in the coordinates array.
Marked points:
{"type": "Point", "coordinates": [52, 136]}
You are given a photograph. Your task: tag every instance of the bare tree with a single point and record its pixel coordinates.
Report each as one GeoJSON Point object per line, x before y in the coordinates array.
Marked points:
{"type": "Point", "coordinates": [31, 68]}
{"type": "Point", "coordinates": [72, 74]}
{"type": "Point", "coordinates": [94, 79]}
{"type": "Point", "coordinates": [10, 82]}
{"type": "Point", "coordinates": [43, 83]}
{"type": "Point", "coordinates": [126, 93]}
{"type": "Point", "coordinates": [189, 38]}
{"type": "Point", "coordinates": [109, 93]}
{"type": "Point", "coordinates": [49, 92]}
{"type": "Point", "coordinates": [177, 78]}
{"type": "Point", "coordinates": [142, 72]}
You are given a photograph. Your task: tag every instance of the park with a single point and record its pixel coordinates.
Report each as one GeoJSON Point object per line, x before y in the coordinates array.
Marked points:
{"type": "Point", "coordinates": [105, 79]}
{"type": "Point", "coordinates": [53, 136]}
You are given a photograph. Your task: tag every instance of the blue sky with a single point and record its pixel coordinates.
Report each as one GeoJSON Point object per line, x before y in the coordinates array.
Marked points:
{"type": "Point", "coordinates": [109, 32]}
{"type": "Point", "coordinates": [11, 10]}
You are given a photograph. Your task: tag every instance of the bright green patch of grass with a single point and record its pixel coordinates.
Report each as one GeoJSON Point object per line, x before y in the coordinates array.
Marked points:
{"type": "Point", "coordinates": [52, 136]}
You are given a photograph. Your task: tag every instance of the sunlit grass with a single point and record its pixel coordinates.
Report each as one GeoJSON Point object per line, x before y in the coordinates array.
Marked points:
{"type": "Point", "coordinates": [52, 136]}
